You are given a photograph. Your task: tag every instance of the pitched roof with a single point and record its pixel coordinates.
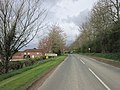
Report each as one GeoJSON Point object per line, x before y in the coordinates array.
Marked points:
{"type": "Point", "coordinates": [33, 50]}
{"type": "Point", "coordinates": [18, 53]}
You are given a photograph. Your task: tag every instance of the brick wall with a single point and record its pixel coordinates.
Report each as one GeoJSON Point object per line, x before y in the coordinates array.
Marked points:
{"type": "Point", "coordinates": [31, 53]}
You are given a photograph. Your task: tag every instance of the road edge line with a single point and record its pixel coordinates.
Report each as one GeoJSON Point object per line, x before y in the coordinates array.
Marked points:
{"type": "Point", "coordinates": [99, 80]}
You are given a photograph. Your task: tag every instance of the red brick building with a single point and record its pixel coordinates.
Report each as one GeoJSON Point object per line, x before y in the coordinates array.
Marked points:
{"type": "Point", "coordinates": [30, 53]}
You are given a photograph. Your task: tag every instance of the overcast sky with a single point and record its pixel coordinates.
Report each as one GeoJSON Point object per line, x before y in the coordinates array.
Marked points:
{"type": "Point", "coordinates": [69, 14]}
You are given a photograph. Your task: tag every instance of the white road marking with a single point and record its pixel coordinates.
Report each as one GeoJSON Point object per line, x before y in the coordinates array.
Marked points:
{"type": "Point", "coordinates": [82, 62]}
{"type": "Point", "coordinates": [99, 80]}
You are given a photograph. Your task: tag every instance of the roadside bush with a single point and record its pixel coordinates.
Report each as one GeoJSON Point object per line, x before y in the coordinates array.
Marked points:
{"type": "Point", "coordinates": [113, 56]}
{"type": "Point", "coordinates": [15, 65]}
{"type": "Point", "coordinates": [28, 63]}
{"type": "Point", "coordinates": [0, 64]}
{"type": "Point", "coordinates": [37, 59]}
{"type": "Point", "coordinates": [43, 57]}
{"type": "Point", "coordinates": [2, 70]}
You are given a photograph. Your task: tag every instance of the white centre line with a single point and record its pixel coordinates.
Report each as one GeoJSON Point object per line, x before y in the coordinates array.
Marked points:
{"type": "Point", "coordinates": [82, 62]}
{"type": "Point", "coordinates": [99, 80]}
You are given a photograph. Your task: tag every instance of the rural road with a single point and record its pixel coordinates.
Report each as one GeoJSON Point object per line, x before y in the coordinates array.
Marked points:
{"type": "Point", "coordinates": [79, 72]}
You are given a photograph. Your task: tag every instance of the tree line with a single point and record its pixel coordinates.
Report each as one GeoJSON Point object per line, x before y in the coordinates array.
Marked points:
{"type": "Point", "coordinates": [101, 32]}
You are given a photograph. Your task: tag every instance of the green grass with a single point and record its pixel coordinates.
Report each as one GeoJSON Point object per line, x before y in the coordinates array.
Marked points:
{"type": "Point", "coordinates": [112, 56]}
{"type": "Point", "coordinates": [10, 74]}
{"type": "Point", "coordinates": [15, 72]}
{"type": "Point", "coordinates": [22, 80]}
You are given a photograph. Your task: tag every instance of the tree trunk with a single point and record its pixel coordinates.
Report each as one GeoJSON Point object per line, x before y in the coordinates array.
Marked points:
{"type": "Point", "coordinates": [6, 65]}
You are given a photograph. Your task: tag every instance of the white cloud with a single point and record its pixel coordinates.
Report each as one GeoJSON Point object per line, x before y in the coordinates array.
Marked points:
{"type": "Point", "coordinates": [71, 31]}
{"type": "Point", "coordinates": [80, 18]}
{"type": "Point", "coordinates": [68, 14]}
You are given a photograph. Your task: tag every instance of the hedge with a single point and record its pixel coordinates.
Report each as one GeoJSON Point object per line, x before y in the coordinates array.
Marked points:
{"type": "Point", "coordinates": [15, 65]}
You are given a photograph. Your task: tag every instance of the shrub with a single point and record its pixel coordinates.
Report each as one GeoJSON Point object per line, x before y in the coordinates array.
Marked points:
{"type": "Point", "coordinates": [27, 63]}
{"type": "Point", "coordinates": [14, 65]}
{"type": "Point", "coordinates": [37, 58]}
{"type": "Point", "coordinates": [2, 70]}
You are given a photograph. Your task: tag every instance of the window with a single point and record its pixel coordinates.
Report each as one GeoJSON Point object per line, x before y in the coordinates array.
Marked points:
{"type": "Point", "coordinates": [37, 53]}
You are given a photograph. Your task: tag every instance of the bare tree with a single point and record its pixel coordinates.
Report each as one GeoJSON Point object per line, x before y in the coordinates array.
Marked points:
{"type": "Point", "coordinates": [44, 44]}
{"type": "Point", "coordinates": [114, 6]}
{"type": "Point", "coordinates": [54, 42]}
{"type": "Point", "coordinates": [101, 22]}
{"type": "Point", "coordinates": [20, 21]}
{"type": "Point", "coordinates": [57, 39]}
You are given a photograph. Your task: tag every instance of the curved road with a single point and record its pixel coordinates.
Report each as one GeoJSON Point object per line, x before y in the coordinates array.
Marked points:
{"type": "Point", "coordinates": [79, 72]}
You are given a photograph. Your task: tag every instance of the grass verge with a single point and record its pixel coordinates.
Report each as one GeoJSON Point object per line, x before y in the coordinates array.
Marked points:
{"type": "Point", "coordinates": [112, 56]}
{"type": "Point", "coordinates": [10, 74]}
{"type": "Point", "coordinates": [24, 79]}
{"type": "Point", "coordinates": [15, 72]}
{"type": "Point", "coordinates": [112, 59]}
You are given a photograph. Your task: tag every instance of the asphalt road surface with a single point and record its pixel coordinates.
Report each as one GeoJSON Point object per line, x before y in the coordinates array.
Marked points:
{"type": "Point", "coordinates": [83, 73]}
